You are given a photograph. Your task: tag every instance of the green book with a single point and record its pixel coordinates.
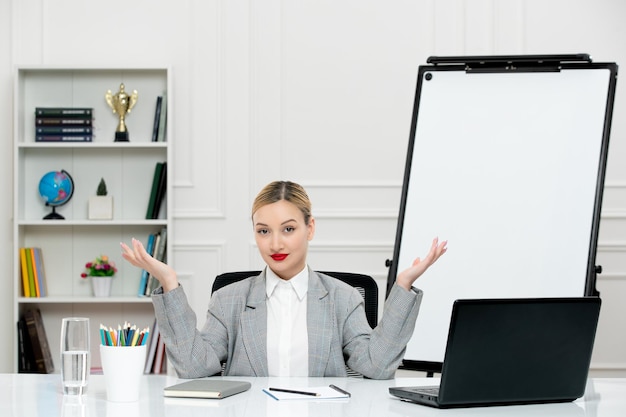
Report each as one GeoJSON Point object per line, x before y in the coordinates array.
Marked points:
{"type": "Point", "coordinates": [160, 194]}
{"type": "Point", "coordinates": [31, 273]}
{"type": "Point", "coordinates": [155, 187]}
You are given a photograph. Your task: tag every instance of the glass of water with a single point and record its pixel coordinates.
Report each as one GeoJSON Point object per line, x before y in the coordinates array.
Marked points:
{"type": "Point", "coordinates": [75, 358]}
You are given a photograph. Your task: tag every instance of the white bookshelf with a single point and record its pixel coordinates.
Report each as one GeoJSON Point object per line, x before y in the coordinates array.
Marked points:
{"type": "Point", "coordinates": [128, 169]}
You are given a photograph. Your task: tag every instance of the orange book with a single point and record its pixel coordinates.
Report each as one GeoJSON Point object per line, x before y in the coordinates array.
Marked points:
{"type": "Point", "coordinates": [24, 267]}
{"type": "Point", "coordinates": [33, 265]}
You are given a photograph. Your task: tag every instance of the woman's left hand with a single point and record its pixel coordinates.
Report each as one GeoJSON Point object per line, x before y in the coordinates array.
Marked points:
{"type": "Point", "coordinates": [407, 277]}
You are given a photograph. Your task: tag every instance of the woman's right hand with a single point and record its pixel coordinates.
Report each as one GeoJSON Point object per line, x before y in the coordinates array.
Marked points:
{"type": "Point", "coordinates": [136, 254]}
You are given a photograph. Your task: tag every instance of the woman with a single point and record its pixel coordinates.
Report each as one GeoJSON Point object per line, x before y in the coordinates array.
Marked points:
{"type": "Point", "coordinates": [289, 320]}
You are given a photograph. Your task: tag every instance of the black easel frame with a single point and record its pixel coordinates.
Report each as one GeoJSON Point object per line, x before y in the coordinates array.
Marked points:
{"type": "Point", "coordinates": [495, 66]}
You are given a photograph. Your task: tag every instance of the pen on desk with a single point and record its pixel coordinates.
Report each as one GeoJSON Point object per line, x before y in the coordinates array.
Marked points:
{"type": "Point", "coordinates": [291, 391]}
{"type": "Point", "coordinates": [343, 391]}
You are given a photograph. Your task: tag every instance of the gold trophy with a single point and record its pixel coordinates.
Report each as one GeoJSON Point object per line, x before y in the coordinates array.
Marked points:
{"type": "Point", "coordinates": [121, 103]}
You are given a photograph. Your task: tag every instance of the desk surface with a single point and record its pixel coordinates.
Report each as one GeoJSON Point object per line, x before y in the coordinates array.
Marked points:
{"type": "Point", "coordinates": [27, 395]}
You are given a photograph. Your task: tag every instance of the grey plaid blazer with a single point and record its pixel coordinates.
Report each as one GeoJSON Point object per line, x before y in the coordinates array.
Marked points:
{"type": "Point", "coordinates": [235, 330]}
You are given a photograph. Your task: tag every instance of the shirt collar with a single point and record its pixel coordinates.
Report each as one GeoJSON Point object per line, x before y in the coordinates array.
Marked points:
{"type": "Point", "coordinates": [300, 282]}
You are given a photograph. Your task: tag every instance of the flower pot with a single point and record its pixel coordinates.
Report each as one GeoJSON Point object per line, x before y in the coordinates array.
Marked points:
{"type": "Point", "coordinates": [101, 286]}
{"type": "Point", "coordinates": [101, 207]}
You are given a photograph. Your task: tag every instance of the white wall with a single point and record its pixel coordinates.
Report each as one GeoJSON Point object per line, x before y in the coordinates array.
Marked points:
{"type": "Point", "coordinates": [319, 92]}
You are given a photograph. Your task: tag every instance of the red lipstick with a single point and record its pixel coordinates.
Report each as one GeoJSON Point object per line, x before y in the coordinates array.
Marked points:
{"type": "Point", "coordinates": [279, 256]}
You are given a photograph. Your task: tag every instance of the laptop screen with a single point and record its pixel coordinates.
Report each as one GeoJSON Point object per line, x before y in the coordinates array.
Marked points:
{"type": "Point", "coordinates": [518, 350]}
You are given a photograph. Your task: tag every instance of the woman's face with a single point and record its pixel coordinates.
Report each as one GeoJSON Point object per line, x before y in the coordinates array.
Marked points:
{"type": "Point", "coordinates": [282, 237]}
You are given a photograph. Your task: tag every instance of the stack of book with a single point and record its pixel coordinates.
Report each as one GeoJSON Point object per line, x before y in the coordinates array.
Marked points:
{"type": "Point", "coordinates": [157, 242]}
{"type": "Point", "coordinates": [64, 124]}
{"type": "Point", "coordinates": [33, 272]}
{"type": "Point", "coordinates": [34, 354]}
{"type": "Point", "coordinates": [156, 358]}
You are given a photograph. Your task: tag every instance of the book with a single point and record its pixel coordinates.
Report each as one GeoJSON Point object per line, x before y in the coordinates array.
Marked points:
{"type": "Point", "coordinates": [160, 194]}
{"type": "Point", "coordinates": [31, 276]}
{"type": "Point", "coordinates": [63, 130]}
{"type": "Point", "coordinates": [30, 253]}
{"type": "Point", "coordinates": [25, 359]}
{"type": "Point", "coordinates": [154, 339]}
{"type": "Point", "coordinates": [159, 356]}
{"type": "Point", "coordinates": [75, 112]}
{"type": "Point", "coordinates": [153, 191]}
{"type": "Point", "coordinates": [161, 135]}
{"type": "Point", "coordinates": [62, 121]}
{"type": "Point", "coordinates": [24, 270]}
{"type": "Point", "coordinates": [40, 272]}
{"type": "Point", "coordinates": [144, 274]}
{"type": "Point", "coordinates": [206, 388]}
{"type": "Point", "coordinates": [150, 283]}
{"type": "Point", "coordinates": [39, 341]}
{"type": "Point", "coordinates": [159, 251]}
{"type": "Point", "coordinates": [157, 119]}
{"type": "Point", "coordinates": [63, 138]}
{"type": "Point", "coordinates": [164, 361]}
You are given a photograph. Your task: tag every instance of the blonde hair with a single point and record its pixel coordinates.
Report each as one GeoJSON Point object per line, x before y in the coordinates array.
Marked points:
{"type": "Point", "coordinates": [284, 190]}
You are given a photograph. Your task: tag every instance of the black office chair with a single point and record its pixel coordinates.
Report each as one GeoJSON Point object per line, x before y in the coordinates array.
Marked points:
{"type": "Point", "coordinates": [365, 284]}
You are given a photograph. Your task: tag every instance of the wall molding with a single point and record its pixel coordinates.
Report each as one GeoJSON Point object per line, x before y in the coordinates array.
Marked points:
{"type": "Point", "coordinates": [216, 247]}
{"type": "Point", "coordinates": [608, 366]}
{"type": "Point", "coordinates": [356, 215]}
{"type": "Point", "coordinates": [194, 214]}
{"type": "Point", "coordinates": [613, 214]}
{"type": "Point", "coordinates": [614, 184]}
{"type": "Point", "coordinates": [350, 184]}
{"type": "Point", "coordinates": [611, 276]}
{"type": "Point", "coordinates": [204, 246]}
{"type": "Point", "coordinates": [350, 246]}
{"type": "Point", "coordinates": [615, 246]}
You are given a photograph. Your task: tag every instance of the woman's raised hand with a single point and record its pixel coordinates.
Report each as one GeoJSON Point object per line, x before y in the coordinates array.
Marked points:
{"type": "Point", "coordinates": [407, 277]}
{"type": "Point", "coordinates": [136, 254]}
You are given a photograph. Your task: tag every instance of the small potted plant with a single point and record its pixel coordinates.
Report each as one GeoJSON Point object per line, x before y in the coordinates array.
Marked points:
{"type": "Point", "coordinates": [101, 272]}
{"type": "Point", "coordinates": [101, 205]}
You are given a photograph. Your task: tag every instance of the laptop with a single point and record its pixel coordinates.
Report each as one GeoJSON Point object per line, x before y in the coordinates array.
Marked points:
{"type": "Point", "coordinates": [513, 351]}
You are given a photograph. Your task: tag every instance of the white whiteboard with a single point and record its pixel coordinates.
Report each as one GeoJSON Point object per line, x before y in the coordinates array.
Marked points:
{"type": "Point", "coordinates": [506, 167]}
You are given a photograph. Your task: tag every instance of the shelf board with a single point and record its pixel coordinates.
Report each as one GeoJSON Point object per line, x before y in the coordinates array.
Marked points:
{"type": "Point", "coordinates": [68, 299]}
{"type": "Point", "coordinates": [88, 68]}
{"type": "Point", "coordinates": [93, 145]}
{"type": "Point", "coordinates": [90, 223]}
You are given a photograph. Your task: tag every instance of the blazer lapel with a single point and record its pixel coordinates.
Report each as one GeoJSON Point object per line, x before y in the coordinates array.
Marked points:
{"type": "Point", "coordinates": [254, 326]}
{"type": "Point", "coordinates": [319, 323]}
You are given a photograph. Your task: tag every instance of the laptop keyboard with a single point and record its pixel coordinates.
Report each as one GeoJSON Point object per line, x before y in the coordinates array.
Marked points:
{"type": "Point", "coordinates": [425, 390]}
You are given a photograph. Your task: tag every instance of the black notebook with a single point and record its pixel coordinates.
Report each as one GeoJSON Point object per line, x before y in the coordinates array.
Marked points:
{"type": "Point", "coordinates": [513, 351]}
{"type": "Point", "coordinates": [206, 388]}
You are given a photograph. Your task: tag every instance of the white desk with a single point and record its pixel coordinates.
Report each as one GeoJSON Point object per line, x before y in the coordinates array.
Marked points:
{"type": "Point", "coordinates": [26, 395]}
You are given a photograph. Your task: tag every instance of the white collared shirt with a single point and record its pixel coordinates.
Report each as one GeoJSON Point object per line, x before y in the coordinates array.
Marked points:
{"type": "Point", "coordinates": [287, 335]}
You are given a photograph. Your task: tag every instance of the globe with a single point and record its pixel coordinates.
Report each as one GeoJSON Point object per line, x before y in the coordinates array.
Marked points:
{"type": "Point", "coordinates": [56, 188]}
